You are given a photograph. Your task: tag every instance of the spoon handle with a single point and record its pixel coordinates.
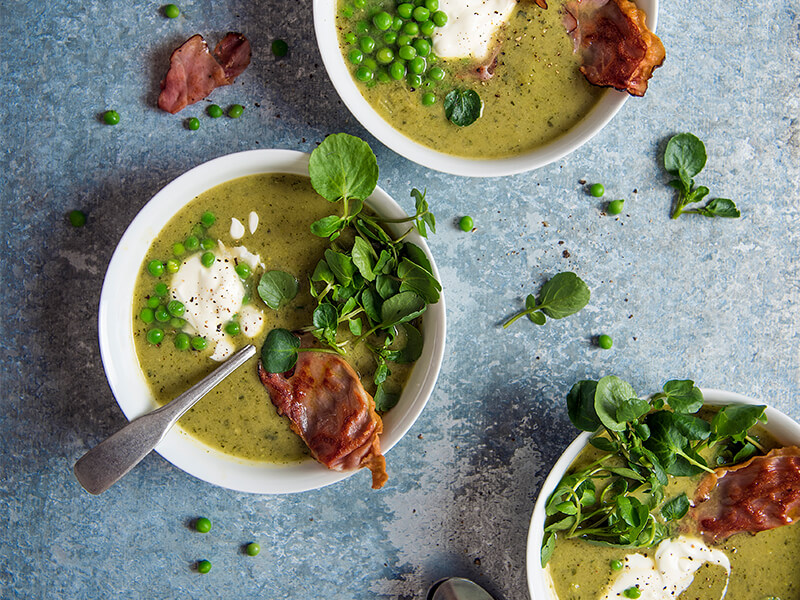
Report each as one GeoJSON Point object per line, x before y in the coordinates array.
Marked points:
{"type": "Point", "coordinates": [111, 459]}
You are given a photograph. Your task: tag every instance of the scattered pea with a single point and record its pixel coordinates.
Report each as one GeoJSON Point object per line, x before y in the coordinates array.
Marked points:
{"type": "Point", "coordinates": [384, 56]}
{"type": "Point", "coordinates": [171, 11]}
{"type": "Point", "coordinates": [597, 190]}
{"type": "Point", "coordinates": [421, 14]}
{"type": "Point", "coordinates": [362, 27]}
{"type": "Point", "coordinates": [176, 308]}
{"type": "Point", "coordinates": [193, 124]}
{"type": "Point", "coordinates": [346, 12]}
{"type": "Point", "coordinates": [439, 18]}
{"type": "Point", "coordinates": [364, 74]}
{"type": "Point", "coordinates": [153, 302]}
{"type": "Point", "coordinates": [178, 249]}
{"type": "Point", "coordinates": [111, 117]}
{"type": "Point", "coordinates": [350, 38]}
{"type": "Point", "coordinates": [199, 343]}
{"type": "Point", "coordinates": [426, 28]}
{"type": "Point", "coordinates": [428, 99]}
{"type": "Point", "coordinates": [414, 80]}
{"type": "Point", "coordinates": [232, 328]}
{"type": "Point", "coordinates": [367, 44]}
{"type": "Point", "coordinates": [632, 592]}
{"type": "Point", "coordinates": [423, 47]}
{"type": "Point", "coordinates": [253, 549]}
{"type": "Point", "coordinates": [397, 24]}
{"type": "Point", "coordinates": [235, 111]}
{"type": "Point", "coordinates": [207, 259]}
{"type": "Point", "coordinates": [155, 336]}
{"type": "Point", "coordinates": [417, 65]}
{"type": "Point", "coordinates": [605, 342]}
{"type": "Point", "coordinates": [208, 218]}
{"type": "Point", "coordinates": [404, 40]}
{"type": "Point", "coordinates": [383, 76]}
{"type": "Point", "coordinates": [360, 3]}
{"type": "Point", "coordinates": [243, 270]}
{"type": "Point", "coordinates": [355, 56]}
{"type": "Point", "coordinates": [397, 70]}
{"type": "Point", "coordinates": [162, 314]}
{"type": "Point", "coordinates": [407, 52]}
{"type": "Point", "coordinates": [280, 48]}
{"type": "Point", "coordinates": [203, 525]}
{"type": "Point", "coordinates": [207, 244]}
{"type": "Point", "coordinates": [616, 565]}
{"type": "Point", "coordinates": [411, 28]}
{"type": "Point", "coordinates": [192, 243]}
{"type": "Point", "coordinates": [405, 10]}
{"type": "Point", "coordinates": [147, 315]}
{"type": "Point", "coordinates": [156, 268]}
{"type": "Point", "coordinates": [370, 63]}
{"type": "Point", "coordinates": [214, 111]}
{"type": "Point", "coordinates": [173, 266]}
{"type": "Point", "coordinates": [390, 37]}
{"type": "Point", "coordinates": [432, 5]}
{"type": "Point", "coordinates": [177, 323]}
{"type": "Point", "coordinates": [466, 223]}
{"type": "Point", "coordinates": [436, 73]}
{"type": "Point", "coordinates": [615, 207]}
{"type": "Point", "coordinates": [77, 218]}
{"type": "Point", "coordinates": [383, 20]}
{"type": "Point", "coordinates": [182, 341]}
{"type": "Point", "coordinates": [203, 566]}
{"type": "Point", "coordinates": [161, 289]}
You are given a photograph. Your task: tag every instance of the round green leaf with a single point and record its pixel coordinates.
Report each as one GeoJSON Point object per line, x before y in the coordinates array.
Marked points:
{"type": "Point", "coordinates": [277, 289]}
{"type": "Point", "coordinates": [279, 352]}
{"type": "Point", "coordinates": [463, 107]}
{"type": "Point", "coordinates": [343, 166]}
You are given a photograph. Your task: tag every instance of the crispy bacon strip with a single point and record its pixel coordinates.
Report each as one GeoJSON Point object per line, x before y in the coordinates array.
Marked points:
{"type": "Point", "coordinates": [194, 73]}
{"type": "Point", "coordinates": [760, 494]}
{"type": "Point", "coordinates": [617, 48]}
{"type": "Point", "coordinates": [329, 408]}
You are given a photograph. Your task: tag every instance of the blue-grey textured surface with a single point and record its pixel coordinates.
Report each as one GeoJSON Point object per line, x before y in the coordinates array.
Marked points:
{"type": "Point", "coordinates": [713, 300]}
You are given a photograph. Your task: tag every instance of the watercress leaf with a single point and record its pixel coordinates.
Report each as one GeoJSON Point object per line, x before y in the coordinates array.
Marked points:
{"type": "Point", "coordinates": [341, 265]}
{"type": "Point", "coordinates": [325, 316]}
{"type": "Point", "coordinates": [345, 292]}
{"type": "Point", "coordinates": [665, 439]}
{"type": "Point", "coordinates": [384, 264]}
{"type": "Point", "coordinates": [420, 203]}
{"type": "Point", "coordinates": [386, 286]}
{"type": "Point", "coordinates": [676, 508]}
{"type": "Point", "coordinates": [696, 195]}
{"type": "Point", "coordinates": [625, 510]}
{"type": "Point", "coordinates": [679, 185]}
{"type": "Point", "coordinates": [371, 304]}
{"type": "Point", "coordinates": [374, 231]}
{"type": "Point", "coordinates": [364, 258]}
{"type": "Point", "coordinates": [683, 396]}
{"type": "Point", "coordinates": [537, 317]}
{"type": "Point", "coordinates": [721, 207]}
{"type": "Point", "coordinates": [413, 348]}
{"type": "Point", "coordinates": [625, 472]}
{"type": "Point", "coordinates": [323, 273]}
{"type": "Point", "coordinates": [561, 524]}
{"type": "Point", "coordinates": [463, 107]}
{"type": "Point", "coordinates": [691, 427]}
{"type": "Point", "coordinates": [604, 444]}
{"type": "Point", "coordinates": [612, 392]}
{"type": "Point", "coordinates": [631, 409]}
{"type": "Point", "coordinates": [430, 221]}
{"type": "Point", "coordinates": [734, 420]}
{"type": "Point", "coordinates": [327, 226]}
{"type": "Point", "coordinates": [417, 255]}
{"type": "Point", "coordinates": [343, 166]}
{"type": "Point", "coordinates": [580, 406]}
{"type": "Point", "coordinates": [385, 400]}
{"type": "Point", "coordinates": [685, 155]}
{"type": "Point", "coordinates": [277, 288]}
{"type": "Point", "coordinates": [586, 492]}
{"type": "Point", "coordinates": [683, 468]}
{"type": "Point", "coordinates": [416, 279]}
{"type": "Point", "coordinates": [567, 508]}
{"type": "Point", "coordinates": [355, 326]}
{"type": "Point", "coordinates": [746, 451]}
{"type": "Point", "coordinates": [347, 307]}
{"type": "Point", "coordinates": [279, 352]}
{"type": "Point", "coordinates": [381, 373]}
{"type": "Point", "coordinates": [642, 430]}
{"type": "Point", "coordinates": [563, 295]}
{"type": "Point", "coordinates": [548, 545]}
{"type": "Point", "coordinates": [401, 308]}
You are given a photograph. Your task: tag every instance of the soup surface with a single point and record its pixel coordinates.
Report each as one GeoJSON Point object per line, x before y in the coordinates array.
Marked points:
{"type": "Point", "coordinates": [238, 417]}
{"type": "Point", "coordinates": [537, 92]}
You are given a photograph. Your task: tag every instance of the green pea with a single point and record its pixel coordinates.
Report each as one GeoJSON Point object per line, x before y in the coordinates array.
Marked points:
{"type": "Point", "coordinates": [384, 56]}
{"type": "Point", "coordinates": [397, 70]}
{"type": "Point", "coordinates": [417, 65]}
{"type": "Point", "coordinates": [208, 244]}
{"type": "Point", "coordinates": [362, 27]}
{"type": "Point", "coordinates": [181, 341]}
{"type": "Point", "coordinates": [176, 308]}
{"type": "Point", "coordinates": [423, 47]}
{"type": "Point", "coordinates": [171, 11]}
{"type": "Point", "coordinates": [177, 323]}
{"type": "Point", "coordinates": [162, 314]}
{"type": "Point", "coordinates": [232, 328]}
{"type": "Point", "coordinates": [161, 289]}
{"type": "Point", "coordinates": [280, 48]}
{"type": "Point", "coordinates": [414, 80]}
{"type": "Point", "coordinates": [436, 73]}
{"type": "Point", "coordinates": [147, 315]}
{"type": "Point", "coordinates": [597, 190]}
{"type": "Point", "coordinates": [214, 111]}
{"type": "Point", "coordinates": [77, 218]}
{"type": "Point", "coordinates": [178, 249]}
{"type": "Point", "coordinates": [173, 266]}
{"type": "Point", "coordinates": [156, 268]}
{"type": "Point", "coordinates": [411, 28]}
{"type": "Point", "coordinates": [397, 24]}
{"type": "Point", "coordinates": [359, 3]}
{"type": "Point", "coordinates": [111, 117]}
{"type": "Point", "coordinates": [204, 566]}
{"type": "Point", "coordinates": [235, 111]}
{"type": "Point", "coordinates": [439, 18]}
{"type": "Point", "coordinates": [427, 28]}
{"type": "Point", "coordinates": [632, 592]}
{"type": "Point", "coordinates": [404, 40]}
{"type": "Point", "coordinates": [364, 74]}
{"type": "Point", "coordinates": [428, 99]}
{"type": "Point", "coordinates": [253, 549]}
{"type": "Point", "coordinates": [615, 207]}
{"type": "Point", "coordinates": [355, 56]}
{"type": "Point", "coordinates": [405, 10]}
{"type": "Point", "coordinates": [421, 14]}
{"type": "Point", "coordinates": [390, 37]}
{"type": "Point", "coordinates": [367, 44]}
{"type": "Point", "coordinates": [350, 38]}
{"type": "Point", "coordinates": [383, 76]}
{"type": "Point", "coordinates": [383, 20]}
{"type": "Point", "coordinates": [616, 565]}
{"type": "Point", "coordinates": [407, 52]}
{"type": "Point", "coordinates": [208, 259]}
{"type": "Point", "coordinates": [155, 336]}
{"type": "Point", "coordinates": [203, 525]}
{"type": "Point", "coordinates": [370, 63]}
{"type": "Point", "coordinates": [153, 302]}
{"type": "Point", "coordinates": [192, 243]}
{"type": "Point", "coordinates": [605, 342]}
{"type": "Point", "coordinates": [193, 124]}
{"type": "Point", "coordinates": [466, 223]}
{"type": "Point", "coordinates": [208, 218]}
{"type": "Point", "coordinates": [432, 5]}
{"type": "Point", "coordinates": [199, 343]}
{"type": "Point", "coordinates": [243, 270]}
{"type": "Point", "coordinates": [346, 12]}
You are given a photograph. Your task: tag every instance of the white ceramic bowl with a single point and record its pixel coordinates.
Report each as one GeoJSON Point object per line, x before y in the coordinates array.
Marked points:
{"type": "Point", "coordinates": [346, 86]}
{"type": "Point", "coordinates": [130, 388]}
{"type": "Point", "coordinates": [784, 429]}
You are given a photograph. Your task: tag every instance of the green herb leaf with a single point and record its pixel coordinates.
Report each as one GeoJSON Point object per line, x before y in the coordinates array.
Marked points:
{"type": "Point", "coordinates": [548, 545]}
{"type": "Point", "coordinates": [343, 167]}
{"type": "Point", "coordinates": [463, 107]}
{"type": "Point", "coordinates": [386, 286]}
{"type": "Point", "coordinates": [364, 258]}
{"type": "Point", "coordinates": [580, 406]}
{"type": "Point", "coordinates": [325, 317]}
{"type": "Point", "coordinates": [692, 428]}
{"type": "Point", "coordinates": [720, 207]}
{"type": "Point", "coordinates": [279, 352]}
{"type": "Point", "coordinates": [401, 308]}
{"type": "Point", "coordinates": [537, 317]}
{"type": "Point", "coordinates": [631, 409]}
{"type": "Point", "coordinates": [327, 226]}
{"type": "Point", "coordinates": [371, 305]}
{"type": "Point", "coordinates": [323, 273]}
{"type": "Point", "coordinates": [385, 400]}
{"type": "Point", "coordinates": [413, 348]}
{"type": "Point", "coordinates": [416, 279]}
{"type": "Point", "coordinates": [341, 265]}
{"type": "Point", "coordinates": [604, 444]}
{"type": "Point", "coordinates": [612, 393]}
{"type": "Point", "coordinates": [277, 289]}
{"type": "Point", "coordinates": [747, 451]}
{"type": "Point", "coordinates": [683, 396]}
{"type": "Point", "coordinates": [563, 295]}
{"type": "Point", "coordinates": [733, 421]}
{"type": "Point", "coordinates": [685, 156]}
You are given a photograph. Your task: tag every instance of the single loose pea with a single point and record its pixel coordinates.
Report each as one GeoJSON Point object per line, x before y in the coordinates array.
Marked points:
{"type": "Point", "coordinates": [423, 47]}
{"type": "Point", "coordinates": [367, 44]}
{"type": "Point", "coordinates": [364, 74]}
{"type": "Point", "coordinates": [156, 268]}
{"type": "Point", "coordinates": [232, 328]}
{"type": "Point", "coordinates": [199, 343]}
{"type": "Point", "coordinates": [383, 20]}
{"type": "Point", "coordinates": [597, 190]}
{"type": "Point", "coordinates": [177, 322]}
{"type": "Point", "coordinates": [176, 308]}
{"type": "Point", "coordinates": [397, 70]}
{"type": "Point", "coordinates": [362, 27]}
{"type": "Point", "coordinates": [173, 266]}
{"type": "Point", "coordinates": [466, 223]}
{"type": "Point", "coordinates": [411, 28]}
{"type": "Point", "coordinates": [370, 63]}
{"type": "Point", "coordinates": [390, 37]}
{"type": "Point", "coordinates": [171, 11]}
{"type": "Point", "coordinates": [404, 40]}
{"type": "Point", "coordinates": [162, 314]}
{"type": "Point", "coordinates": [111, 117]}
{"type": "Point", "coordinates": [427, 28]}
{"type": "Point", "coordinates": [605, 342]}
{"type": "Point", "coordinates": [616, 565]}
{"type": "Point", "coordinates": [439, 18]}
{"type": "Point", "coordinates": [155, 336]}
{"type": "Point", "coordinates": [235, 111]}
{"type": "Point", "coordinates": [214, 111]}
{"type": "Point", "coordinates": [280, 48]}
{"type": "Point", "coordinates": [350, 37]}
{"type": "Point", "coordinates": [192, 243]}
{"type": "Point", "coordinates": [147, 315]}
{"type": "Point", "coordinates": [208, 218]}
{"type": "Point", "coordinates": [355, 56]}
{"type": "Point", "coordinates": [181, 341]}
{"type": "Point", "coordinates": [193, 124]}
{"type": "Point", "coordinates": [161, 289]}
{"type": "Point", "coordinates": [436, 73]}
{"type": "Point", "coordinates": [632, 592]}
{"type": "Point", "coordinates": [203, 566]}
{"type": "Point", "coordinates": [407, 52]}
{"type": "Point", "coordinates": [153, 302]}
{"type": "Point", "coordinates": [253, 549]}
{"type": "Point", "coordinates": [432, 5]}
{"type": "Point", "coordinates": [417, 65]}
{"type": "Point", "coordinates": [615, 207]}
{"type": "Point", "coordinates": [77, 218]}
{"type": "Point", "coordinates": [384, 56]}
{"type": "Point", "coordinates": [207, 259]}
{"type": "Point", "coordinates": [207, 244]}
{"type": "Point", "coordinates": [203, 525]}
{"type": "Point", "coordinates": [359, 3]}
{"type": "Point", "coordinates": [397, 24]}
{"type": "Point", "coordinates": [414, 80]}
{"type": "Point", "coordinates": [383, 76]}
{"type": "Point", "coordinates": [178, 249]}
{"type": "Point", "coordinates": [346, 12]}
{"type": "Point", "coordinates": [428, 99]}
{"type": "Point", "coordinates": [421, 14]}
{"type": "Point", "coordinates": [243, 270]}
{"type": "Point", "coordinates": [405, 10]}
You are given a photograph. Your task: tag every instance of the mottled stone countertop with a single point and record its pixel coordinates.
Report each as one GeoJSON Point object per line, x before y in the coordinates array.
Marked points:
{"type": "Point", "coordinates": [717, 301]}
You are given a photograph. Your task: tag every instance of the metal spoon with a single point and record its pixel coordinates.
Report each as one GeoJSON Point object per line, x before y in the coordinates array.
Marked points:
{"type": "Point", "coordinates": [105, 464]}
{"type": "Point", "coordinates": [457, 588]}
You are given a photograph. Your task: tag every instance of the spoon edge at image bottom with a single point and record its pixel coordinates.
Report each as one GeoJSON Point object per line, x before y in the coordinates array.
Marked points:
{"type": "Point", "coordinates": [457, 588]}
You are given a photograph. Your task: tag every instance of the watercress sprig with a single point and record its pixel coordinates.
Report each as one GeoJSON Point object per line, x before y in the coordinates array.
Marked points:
{"type": "Point", "coordinates": [561, 296]}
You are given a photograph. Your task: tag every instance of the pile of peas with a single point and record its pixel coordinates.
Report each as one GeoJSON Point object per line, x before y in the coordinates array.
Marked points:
{"type": "Point", "coordinates": [395, 46]}
{"type": "Point", "coordinates": [161, 312]}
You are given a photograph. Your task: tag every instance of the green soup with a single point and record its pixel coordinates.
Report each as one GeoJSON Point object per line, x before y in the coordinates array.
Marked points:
{"type": "Point", "coordinates": [238, 417]}
{"type": "Point", "coordinates": [536, 94]}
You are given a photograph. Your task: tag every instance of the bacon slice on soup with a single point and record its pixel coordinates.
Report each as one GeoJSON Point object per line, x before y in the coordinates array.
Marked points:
{"type": "Point", "coordinates": [617, 49]}
{"type": "Point", "coordinates": [329, 408]}
{"type": "Point", "coordinates": [760, 494]}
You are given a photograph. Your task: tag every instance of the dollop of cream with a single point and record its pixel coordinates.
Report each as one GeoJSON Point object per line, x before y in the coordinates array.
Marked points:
{"type": "Point", "coordinates": [471, 27]}
{"type": "Point", "coordinates": [670, 574]}
{"type": "Point", "coordinates": [252, 221]}
{"type": "Point", "coordinates": [213, 295]}
{"type": "Point", "coordinates": [237, 229]}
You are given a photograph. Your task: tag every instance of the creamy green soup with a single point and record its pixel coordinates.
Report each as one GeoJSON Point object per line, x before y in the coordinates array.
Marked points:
{"type": "Point", "coordinates": [237, 417]}
{"type": "Point", "coordinates": [537, 92]}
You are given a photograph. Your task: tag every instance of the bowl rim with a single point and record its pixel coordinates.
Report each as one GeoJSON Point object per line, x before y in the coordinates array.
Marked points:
{"type": "Point", "coordinates": [595, 120]}
{"type": "Point", "coordinates": [785, 429]}
{"type": "Point", "coordinates": [121, 366]}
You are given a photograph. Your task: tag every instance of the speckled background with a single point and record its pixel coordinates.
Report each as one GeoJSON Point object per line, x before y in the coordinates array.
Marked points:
{"type": "Point", "coordinates": [713, 300]}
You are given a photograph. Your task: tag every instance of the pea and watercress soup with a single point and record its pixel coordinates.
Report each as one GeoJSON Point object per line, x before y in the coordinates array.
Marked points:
{"type": "Point", "coordinates": [237, 417]}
